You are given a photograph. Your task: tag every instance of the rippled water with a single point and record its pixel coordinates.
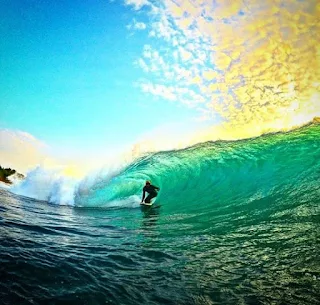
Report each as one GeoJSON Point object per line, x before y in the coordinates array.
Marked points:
{"type": "Point", "coordinates": [251, 237]}
{"type": "Point", "coordinates": [55, 255]}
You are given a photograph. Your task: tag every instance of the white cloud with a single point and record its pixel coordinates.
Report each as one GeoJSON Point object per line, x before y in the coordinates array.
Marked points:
{"type": "Point", "coordinates": [142, 64]}
{"type": "Point", "coordinates": [137, 25]}
{"type": "Point", "coordinates": [247, 63]}
{"type": "Point", "coordinates": [159, 90]}
{"type": "Point", "coordinates": [23, 152]}
{"type": "Point", "coordinates": [20, 150]}
{"type": "Point", "coordinates": [140, 26]}
{"type": "Point", "coordinates": [137, 4]}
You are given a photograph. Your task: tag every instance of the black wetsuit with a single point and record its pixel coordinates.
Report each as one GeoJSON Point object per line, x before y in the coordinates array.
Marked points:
{"type": "Point", "coordinates": [151, 190]}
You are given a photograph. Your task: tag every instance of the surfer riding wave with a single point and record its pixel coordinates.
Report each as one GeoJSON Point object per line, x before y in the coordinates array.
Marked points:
{"type": "Point", "coordinates": [152, 191]}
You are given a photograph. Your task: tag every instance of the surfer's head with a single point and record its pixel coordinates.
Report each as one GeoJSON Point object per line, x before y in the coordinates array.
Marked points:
{"type": "Point", "coordinates": [148, 182]}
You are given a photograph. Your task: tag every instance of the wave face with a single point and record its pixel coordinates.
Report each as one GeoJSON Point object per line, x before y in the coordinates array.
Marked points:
{"type": "Point", "coordinates": [265, 173]}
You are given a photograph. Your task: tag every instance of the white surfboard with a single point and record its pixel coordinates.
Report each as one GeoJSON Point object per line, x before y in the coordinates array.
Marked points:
{"type": "Point", "coordinates": [147, 204]}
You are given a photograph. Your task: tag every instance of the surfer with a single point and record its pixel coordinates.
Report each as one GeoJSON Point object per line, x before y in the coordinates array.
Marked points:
{"type": "Point", "coordinates": [151, 190]}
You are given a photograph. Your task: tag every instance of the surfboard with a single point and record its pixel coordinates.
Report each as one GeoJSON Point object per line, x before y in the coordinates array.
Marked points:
{"type": "Point", "coordinates": [146, 204]}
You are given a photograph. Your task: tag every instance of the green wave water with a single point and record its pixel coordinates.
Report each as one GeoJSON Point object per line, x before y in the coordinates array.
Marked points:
{"type": "Point", "coordinates": [234, 223]}
{"type": "Point", "coordinates": [267, 174]}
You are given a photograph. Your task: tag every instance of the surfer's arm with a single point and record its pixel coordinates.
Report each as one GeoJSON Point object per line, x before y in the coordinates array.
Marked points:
{"type": "Point", "coordinates": [143, 195]}
{"type": "Point", "coordinates": [155, 187]}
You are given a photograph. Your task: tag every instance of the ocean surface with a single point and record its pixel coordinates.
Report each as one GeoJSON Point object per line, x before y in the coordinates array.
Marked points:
{"type": "Point", "coordinates": [234, 223]}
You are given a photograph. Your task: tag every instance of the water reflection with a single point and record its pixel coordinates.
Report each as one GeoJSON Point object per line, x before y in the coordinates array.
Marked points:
{"type": "Point", "coordinates": [150, 216]}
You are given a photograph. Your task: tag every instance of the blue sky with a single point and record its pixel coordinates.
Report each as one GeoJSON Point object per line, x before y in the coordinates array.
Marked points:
{"type": "Point", "coordinates": [94, 77]}
{"type": "Point", "coordinates": [68, 74]}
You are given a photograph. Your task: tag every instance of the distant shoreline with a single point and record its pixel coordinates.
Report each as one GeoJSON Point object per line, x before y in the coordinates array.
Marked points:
{"type": "Point", "coordinates": [5, 180]}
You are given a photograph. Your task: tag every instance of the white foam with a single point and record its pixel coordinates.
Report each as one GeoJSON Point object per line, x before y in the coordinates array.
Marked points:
{"type": "Point", "coordinates": [48, 185]}
{"type": "Point", "coordinates": [53, 186]}
{"type": "Point", "coordinates": [129, 202]}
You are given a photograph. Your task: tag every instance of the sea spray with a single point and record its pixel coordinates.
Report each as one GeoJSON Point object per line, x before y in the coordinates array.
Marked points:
{"type": "Point", "coordinates": [47, 184]}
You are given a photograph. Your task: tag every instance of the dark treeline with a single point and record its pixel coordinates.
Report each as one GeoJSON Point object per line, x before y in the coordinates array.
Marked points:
{"type": "Point", "coordinates": [5, 173]}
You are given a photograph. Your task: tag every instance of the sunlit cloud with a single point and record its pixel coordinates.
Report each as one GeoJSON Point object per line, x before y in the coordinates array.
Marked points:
{"type": "Point", "coordinates": [23, 152]}
{"type": "Point", "coordinates": [250, 63]}
{"type": "Point", "coordinates": [20, 150]}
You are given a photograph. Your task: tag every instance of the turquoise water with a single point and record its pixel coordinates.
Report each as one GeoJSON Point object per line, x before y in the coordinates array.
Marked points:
{"type": "Point", "coordinates": [234, 223]}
